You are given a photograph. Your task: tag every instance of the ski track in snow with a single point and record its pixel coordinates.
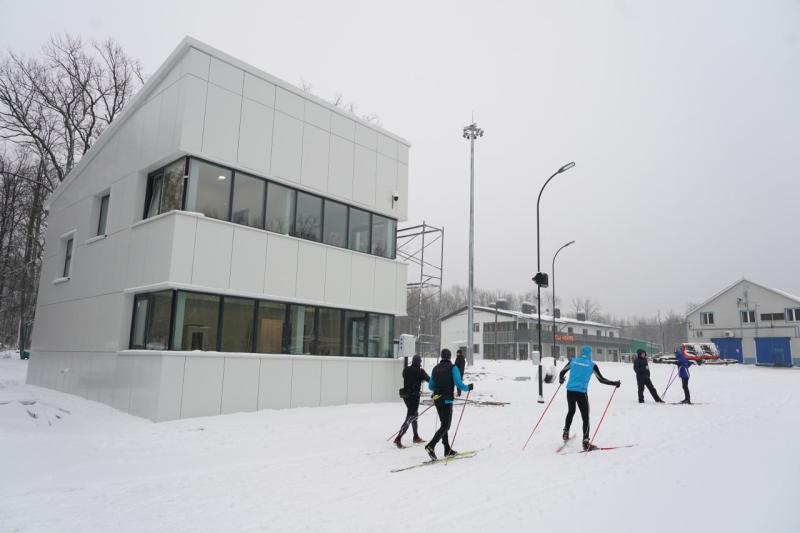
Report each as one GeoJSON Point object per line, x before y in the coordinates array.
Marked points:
{"type": "Point", "coordinates": [68, 464]}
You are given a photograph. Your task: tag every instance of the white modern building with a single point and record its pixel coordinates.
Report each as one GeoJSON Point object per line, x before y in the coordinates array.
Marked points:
{"type": "Point", "coordinates": [228, 244]}
{"type": "Point", "coordinates": [749, 322]}
{"type": "Point", "coordinates": [509, 334]}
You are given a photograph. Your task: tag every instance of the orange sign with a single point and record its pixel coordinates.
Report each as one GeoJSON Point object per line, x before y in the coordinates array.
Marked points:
{"type": "Point", "coordinates": [565, 338]}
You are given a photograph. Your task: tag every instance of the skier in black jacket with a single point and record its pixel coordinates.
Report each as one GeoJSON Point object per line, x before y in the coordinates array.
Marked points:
{"type": "Point", "coordinates": [413, 376]}
{"type": "Point", "coordinates": [444, 377]}
{"type": "Point", "coordinates": [643, 376]}
{"type": "Point", "coordinates": [461, 363]}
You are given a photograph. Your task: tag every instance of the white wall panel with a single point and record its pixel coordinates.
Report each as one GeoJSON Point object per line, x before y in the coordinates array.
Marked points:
{"type": "Point", "coordinates": [365, 169]}
{"type": "Point", "coordinates": [150, 114]}
{"type": "Point", "coordinates": [212, 254]}
{"type": "Point", "coordinates": [168, 121]}
{"type": "Point", "coordinates": [193, 104]}
{"type": "Point", "coordinates": [385, 285]}
{"type": "Point", "coordinates": [171, 387]}
{"type": "Point", "coordinates": [202, 386]}
{"type": "Point", "coordinates": [401, 288]}
{"type": "Point", "coordinates": [145, 385]}
{"type": "Point", "coordinates": [280, 277]}
{"type": "Point", "coordinates": [289, 103]}
{"type": "Point", "coordinates": [343, 126]}
{"type": "Point", "coordinates": [221, 128]}
{"type": "Point", "coordinates": [255, 136]}
{"type": "Point", "coordinates": [386, 183]}
{"type": "Point", "coordinates": [275, 384]}
{"type": "Point", "coordinates": [306, 375]}
{"type": "Point", "coordinates": [195, 63]}
{"type": "Point", "coordinates": [366, 137]}
{"type": "Point", "coordinates": [152, 239]}
{"type": "Point", "coordinates": [337, 277]}
{"type": "Point", "coordinates": [248, 260]}
{"type": "Point", "coordinates": [287, 147]}
{"type": "Point", "coordinates": [226, 75]}
{"type": "Point", "coordinates": [340, 169]}
{"type": "Point", "coordinates": [385, 381]}
{"type": "Point", "coordinates": [387, 146]}
{"type": "Point", "coordinates": [311, 271]}
{"type": "Point", "coordinates": [359, 381]}
{"type": "Point", "coordinates": [401, 206]}
{"type": "Point", "coordinates": [317, 115]}
{"type": "Point", "coordinates": [259, 90]}
{"type": "Point", "coordinates": [240, 385]}
{"type": "Point", "coordinates": [402, 153]}
{"type": "Point", "coordinates": [316, 144]}
{"type": "Point", "coordinates": [333, 388]}
{"type": "Point", "coordinates": [362, 281]}
{"type": "Point", "coordinates": [122, 384]}
{"type": "Point", "coordinates": [183, 243]}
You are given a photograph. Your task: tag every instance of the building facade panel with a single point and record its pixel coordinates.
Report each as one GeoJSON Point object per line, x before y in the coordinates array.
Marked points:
{"type": "Point", "coordinates": [316, 146]}
{"type": "Point", "coordinates": [250, 260]}
{"type": "Point", "coordinates": [240, 385]}
{"type": "Point", "coordinates": [341, 168]}
{"type": "Point", "coordinates": [275, 383]}
{"type": "Point", "coordinates": [202, 386]}
{"type": "Point", "coordinates": [221, 128]}
{"type": "Point", "coordinates": [255, 136]}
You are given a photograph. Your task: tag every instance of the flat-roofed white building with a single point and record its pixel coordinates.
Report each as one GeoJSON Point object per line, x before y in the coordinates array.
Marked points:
{"type": "Point", "coordinates": [228, 244]}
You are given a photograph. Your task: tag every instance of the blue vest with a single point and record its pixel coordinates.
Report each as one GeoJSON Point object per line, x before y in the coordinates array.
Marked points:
{"type": "Point", "coordinates": [580, 372]}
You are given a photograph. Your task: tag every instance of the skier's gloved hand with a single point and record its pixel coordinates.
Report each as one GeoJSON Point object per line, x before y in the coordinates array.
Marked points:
{"type": "Point", "coordinates": [471, 386]}
{"type": "Point", "coordinates": [560, 381]}
{"type": "Point", "coordinates": [617, 384]}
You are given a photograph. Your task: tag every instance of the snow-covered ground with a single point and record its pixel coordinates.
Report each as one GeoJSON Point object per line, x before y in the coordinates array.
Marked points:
{"type": "Point", "coordinates": [729, 464]}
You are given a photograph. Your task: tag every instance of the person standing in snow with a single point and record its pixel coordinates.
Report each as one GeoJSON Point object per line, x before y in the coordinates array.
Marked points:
{"type": "Point", "coordinates": [413, 376]}
{"type": "Point", "coordinates": [461, 364]}
{"type": "Point", "coordinates": [444, 378]}
{"type": "Point", "coordinates": [643, 376]}
{"type": "Point", "coordinates": [683, 372]}
{"type": "Point", "coordinates": [580, 372]}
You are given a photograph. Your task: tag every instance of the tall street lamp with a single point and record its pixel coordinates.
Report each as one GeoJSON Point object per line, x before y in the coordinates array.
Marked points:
{"type": "Point", "coordinates": [554, 294]}
{"type": "Point", "coordinates": [541, 278]}
{"type": "Point", "coordinates": [471, 132]}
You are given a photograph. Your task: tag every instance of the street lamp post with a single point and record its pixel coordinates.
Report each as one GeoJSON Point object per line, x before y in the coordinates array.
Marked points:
{"type": "Point", "coordinates": [554, 293]}
{"type": "Point", "coordinates": [471, 132]}
{"type": "Point", "coordinates": [541, 277]}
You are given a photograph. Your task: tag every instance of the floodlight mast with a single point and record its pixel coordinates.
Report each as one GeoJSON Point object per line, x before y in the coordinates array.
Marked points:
{"type": "Point", "coordinates": [471, 132]}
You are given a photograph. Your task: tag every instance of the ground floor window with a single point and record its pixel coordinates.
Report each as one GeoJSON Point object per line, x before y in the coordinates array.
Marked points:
{"type": "Point", "coordinates": [183, 320]}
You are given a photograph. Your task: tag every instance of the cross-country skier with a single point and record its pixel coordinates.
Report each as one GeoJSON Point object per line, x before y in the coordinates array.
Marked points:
{"type": "Point", "coordinates": [683, 372]}
{"type": "Point", "coordinates": [413, 376]}
{"type": "Point", "coordinates": [461, 364]}
{"type": "Point", "coordinates": [444, 377]}
{"type": "Point", "coordinates": [580, 372]}
{"type": "Point", "coordinates": [643, 376]}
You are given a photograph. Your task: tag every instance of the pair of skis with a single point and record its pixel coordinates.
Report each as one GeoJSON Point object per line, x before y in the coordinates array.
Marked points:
{"type": "Point", "coordinates": [597, 449]}
{"type": "Point", "coordinates": [441, 460]}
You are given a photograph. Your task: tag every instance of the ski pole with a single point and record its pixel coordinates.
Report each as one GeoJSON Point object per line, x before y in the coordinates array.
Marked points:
{"type": "Point", "coordinates": [540, 418]}
{"type": "Point", "coordinates": [601, 419]}
{"type": "Point", "coordinates": [410, 421]}
{"type": "Point", "coordinates": [457, 426]}
{"type": "Point", "coordinates": [669, 382]}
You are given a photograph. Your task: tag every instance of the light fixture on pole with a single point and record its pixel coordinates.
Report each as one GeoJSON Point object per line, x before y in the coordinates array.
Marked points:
{"type": "Point", "coordinates": [471, 132]}
{"type": "Point", "coordinates": [554, 295]}
{"type": "Point", "coordinates": [541, 278]}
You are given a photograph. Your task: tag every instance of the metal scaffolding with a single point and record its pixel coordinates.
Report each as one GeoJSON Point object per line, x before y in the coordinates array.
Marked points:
{"type": "Point", "coordinates": [422, 247]}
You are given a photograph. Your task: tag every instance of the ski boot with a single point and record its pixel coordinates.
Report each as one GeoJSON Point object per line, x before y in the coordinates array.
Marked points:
{"type": "Point", "coordinates": [687, 402]}
{"type": "Point", "coordinates": [450, 453]}
{"type": "Point", "coordinates": [431, 452]}
{"type": "Point", "coordinates": [418, 440]}
{"type": "Point", "coordinates": [588, 446]}
{"type": "Point", "coordinates": [398, 443]}
{"type": "Point", "coordinates": [565, 435]}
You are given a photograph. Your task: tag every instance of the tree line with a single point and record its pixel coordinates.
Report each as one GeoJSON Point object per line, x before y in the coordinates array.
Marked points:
{"type": "Point", "coordinates": [53, 107]}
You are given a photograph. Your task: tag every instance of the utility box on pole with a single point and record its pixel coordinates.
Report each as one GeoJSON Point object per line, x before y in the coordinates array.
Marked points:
{"type": "Point", "coordinates": [407, 346]}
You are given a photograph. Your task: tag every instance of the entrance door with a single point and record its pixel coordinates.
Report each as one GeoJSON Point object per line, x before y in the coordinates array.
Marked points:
{"type": "Point", "coordinates": [774, 351]}
{"type": "Point", "coordinates": [730, 348]}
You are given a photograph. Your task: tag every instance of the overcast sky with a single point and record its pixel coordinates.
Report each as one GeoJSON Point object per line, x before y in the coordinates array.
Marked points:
{"type": "Point", "coordinates": [683, 119]}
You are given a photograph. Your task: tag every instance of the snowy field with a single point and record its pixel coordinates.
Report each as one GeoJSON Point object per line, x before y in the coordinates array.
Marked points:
{"type": "Point", "coordinates": [730, 464]}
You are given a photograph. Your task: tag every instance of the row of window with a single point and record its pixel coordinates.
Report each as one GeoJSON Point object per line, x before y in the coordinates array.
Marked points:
{"type": "Point", "coordinates": [182, 320]}
{"type": "Point", "coordinates": [218, 192]}
{"type": "Point", "coordinates": [509, 326]}
{"type": "Point", "coordinates": [749, 317]}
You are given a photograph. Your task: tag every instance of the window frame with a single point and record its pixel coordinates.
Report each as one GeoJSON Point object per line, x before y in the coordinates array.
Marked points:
{"type": "Point", "coordinates": [102, 217]}
{"type": "Point", "coordinates": [707, 318]}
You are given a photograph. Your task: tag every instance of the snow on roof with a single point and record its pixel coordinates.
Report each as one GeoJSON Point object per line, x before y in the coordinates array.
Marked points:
{"type": "Point", "coordinates": [531, 316]}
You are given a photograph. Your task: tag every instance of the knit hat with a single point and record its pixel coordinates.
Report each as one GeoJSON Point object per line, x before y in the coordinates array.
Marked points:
{"type": "Point", "coordinates": [640, 352]}
{"type": "Point", "coordinates": [446, 354]}
{"type": "Point", "coordinates": [586, 351]}
{"type": "Point", "coordinates": [416, 360]}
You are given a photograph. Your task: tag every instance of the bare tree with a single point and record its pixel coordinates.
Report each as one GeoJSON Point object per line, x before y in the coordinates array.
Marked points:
{"type": "Point", "coordinates": [587, 306]}
{"type": "Point", "coordinates": [339, 101]}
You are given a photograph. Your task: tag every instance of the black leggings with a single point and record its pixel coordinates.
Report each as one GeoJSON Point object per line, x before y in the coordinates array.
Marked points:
{"type": "Point", "coordinates": [645, 382]}
{"type": "Point", "coordinates": [445, 411]}
{"type": "Point", "coordinates": [412, 412]}
{"type": "Point", "coordinates": [686, 396]}
{"type": "Point", "coordinates": [582, 399]}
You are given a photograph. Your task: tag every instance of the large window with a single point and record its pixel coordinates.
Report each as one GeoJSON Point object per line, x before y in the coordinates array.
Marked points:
{"type": "Point", "coordinates": [383, 236]}
{"type": "Point", "coordinates": [237, 324]}
{"type": "Point", "coordinates": [271, 327]}
{"type": "Point", "coordinates": [355, 338]}
{"type": "Point", "coordinates": [301, 329]}
{"type": "Point", "coordinates": [380, 336]}
{"type": "Point", "coordinates": [248, 201]}
{"type": "Point", "coordinates": [335, 224]}
{"type": "Point", "coordinates": [151, 315]}
{"type": "Point", "coordinates": [358, 232]}
{"type": "Point", "coordinates": [209, 189]}
{"type": "Point", "coordinates": [308, 219]}
{"type": "Point", "coordinates": [165, 189]}
{"type": "Point", "coordinates": [329, 331]}
{"type": "Point", "coordinates": [280, 208]}
{"type": "Point", "coordinates": [196, 321]}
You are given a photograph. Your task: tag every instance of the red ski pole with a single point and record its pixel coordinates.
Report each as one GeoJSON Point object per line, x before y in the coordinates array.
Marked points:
{"type": "Point", "coordinates": [457, 425]}
{"type": "Point", "coordinates": [410, 421]}
{"type": "Point", "coordinates": [540, 418]}
{"type": "Point", "coordinates": [669, 382]}
{"type": "Point", "coordinates": [601, 419]}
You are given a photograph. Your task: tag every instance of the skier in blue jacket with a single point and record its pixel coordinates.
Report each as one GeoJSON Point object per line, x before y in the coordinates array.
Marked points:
{"type": "Point", "coordinates": [444, 377]}
{"type": "Point", "coordinates": [580, 372]}
{"type": "Point", "coordinates": [683, 372]}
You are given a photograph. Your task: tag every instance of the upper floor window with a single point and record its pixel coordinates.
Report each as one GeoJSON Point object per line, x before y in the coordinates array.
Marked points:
{"type": "Point", "coordinates": [585, 331]}
{"type": "Point", "coordinates": [610, 333]}
{"type": "Point", "coordinates": [383, 236]}
{"type": "Point", "coordinates": [208, 190]}
{"type": "Point", "coordinates": [707, 319]}
{"type": "Point", "coordinates": [248, 200]}
{"type": "Point", "coordinates": [476, 327]}
{"type": "Point", "coordinates": [308, 217]}
{"type": "Point", "coordinates": [569, 329]}
{"type": "Point", "coordinates": [335, 224]}
{"type": "Point", "coordinates": [165, 189]}
{"type": "Point", "coordinates": [102, 217]}
{"type": "Point", "coordinates": [748, 317]}
{"type": "Point", "coordinates": [793, 314]}
{"type": "Point", "coordinates": [67, 270]}
{"type": "Point", "coordinates": [599, 333]}
{"type": "Point", "coordinates": [358, 230]}
{"type": "Point", "coordinates": [280, 208]}
{"type": "Point", "coordinates": [770, 317]}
